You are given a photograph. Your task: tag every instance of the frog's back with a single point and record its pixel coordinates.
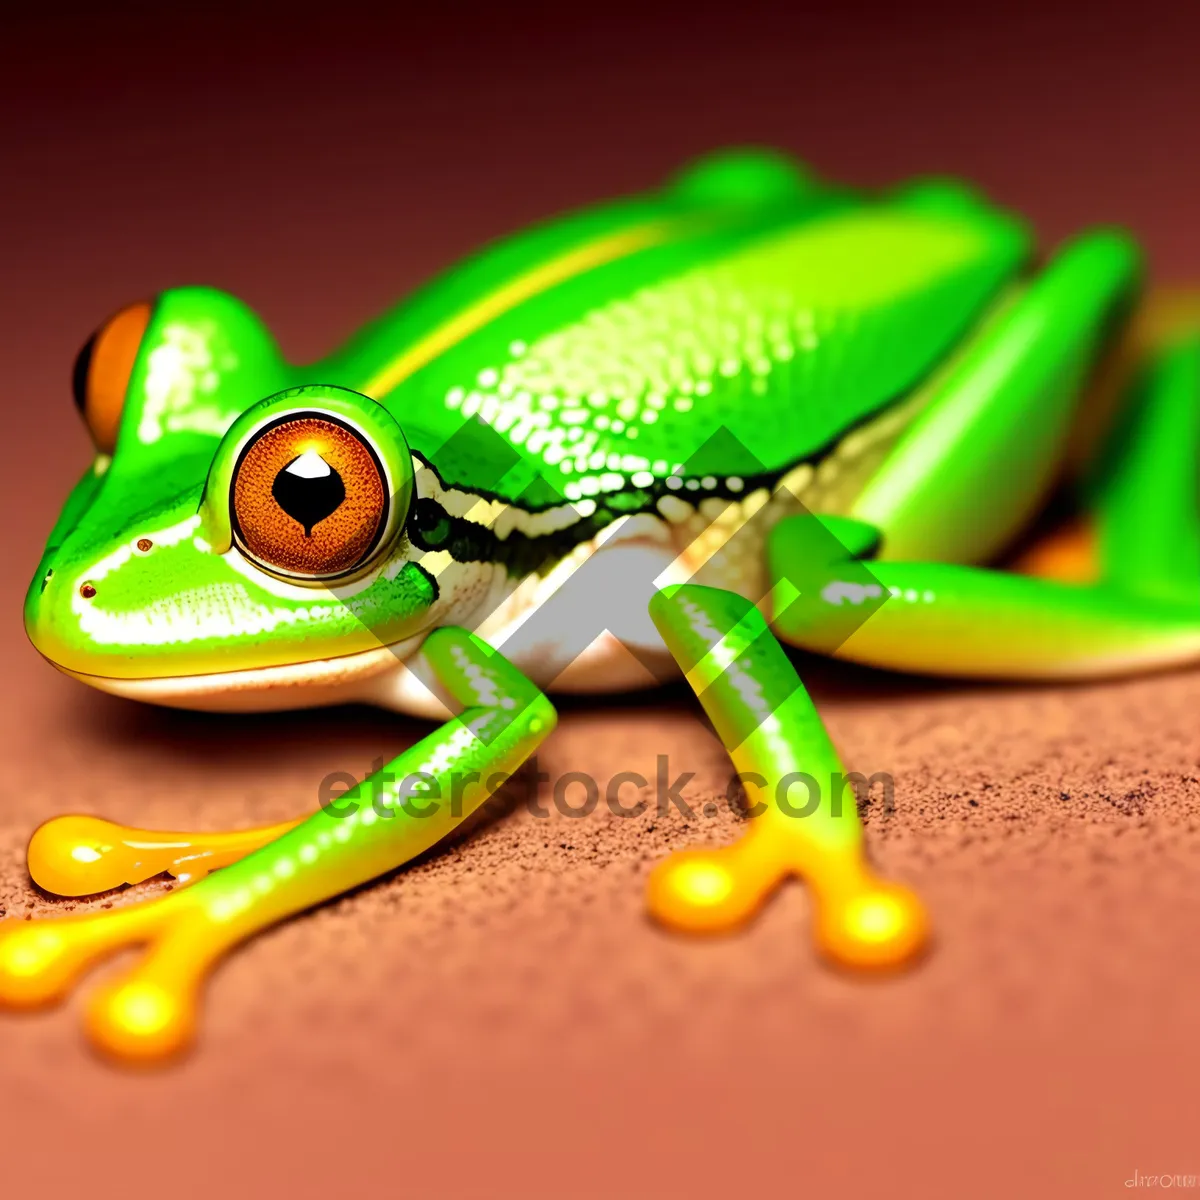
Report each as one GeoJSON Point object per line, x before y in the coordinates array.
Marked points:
{"type": "Point", "coordinates": [741, 322]}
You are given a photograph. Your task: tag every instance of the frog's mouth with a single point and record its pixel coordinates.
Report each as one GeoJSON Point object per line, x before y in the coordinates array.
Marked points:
{"type": "Point", "coordinates": [392, 676]}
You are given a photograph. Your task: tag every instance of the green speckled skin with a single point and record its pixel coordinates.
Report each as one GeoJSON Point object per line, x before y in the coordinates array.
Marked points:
{"type": "Point", "coordinates": [774, 327]}
{"type": "Point", "coordinates": [868, 395]}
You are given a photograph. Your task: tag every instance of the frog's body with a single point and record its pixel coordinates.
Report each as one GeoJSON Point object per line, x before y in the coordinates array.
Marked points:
{"type": "Point", "coordinates": [604, 353]}
{"type": "Point", "coordinates": [649, 398]}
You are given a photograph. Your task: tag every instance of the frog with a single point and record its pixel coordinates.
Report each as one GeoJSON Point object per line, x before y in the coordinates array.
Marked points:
{"type": "Point", "coordinates": [755, 412]}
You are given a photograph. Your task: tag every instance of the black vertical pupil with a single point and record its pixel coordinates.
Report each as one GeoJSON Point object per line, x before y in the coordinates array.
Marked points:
{"type": "Point", "coordinates": [79, 372]}
{"type": "Point", "coordinates": [308, 500]}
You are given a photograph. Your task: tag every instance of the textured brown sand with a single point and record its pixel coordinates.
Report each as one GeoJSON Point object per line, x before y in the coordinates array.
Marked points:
{"type": "Point", "coordinates": [501, 1019]}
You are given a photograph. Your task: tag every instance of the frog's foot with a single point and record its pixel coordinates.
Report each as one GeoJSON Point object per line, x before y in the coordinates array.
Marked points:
{"type": "Point", "coordinates": [148, 1012]}
{"type": "Point", "coordinates": [81, 855]}
{"type": "Point", "coordinates": [774, 735]}
{"type": "Point", "coordinates": [861, 921]}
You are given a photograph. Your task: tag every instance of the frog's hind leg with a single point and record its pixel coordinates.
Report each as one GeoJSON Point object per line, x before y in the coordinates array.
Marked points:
{"type": "Point", "coordinates": [149, 1012]}
{"type": "Point", "coordinates": [962, 479]}
{"type": "Point", "coordinates": [804, 818]}
{"type": "Point", "coordinates": [1144, 491]}
{"type": "Point", "coordinates": [1133, 520]}
{"type": "Point", "coordinates": [1141, 611]}
{"type": "Point", "coordinates": [975, 464]}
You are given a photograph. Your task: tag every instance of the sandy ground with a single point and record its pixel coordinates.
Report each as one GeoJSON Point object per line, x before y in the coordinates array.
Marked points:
{"type": "Point", "coordinates": [501, 1019]}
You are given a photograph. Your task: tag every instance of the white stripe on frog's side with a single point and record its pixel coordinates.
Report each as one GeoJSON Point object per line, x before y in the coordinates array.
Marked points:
{"type": "Point", "coordinates": [501, 517]}
{"type": "Point", "coordinates": [826, 486]}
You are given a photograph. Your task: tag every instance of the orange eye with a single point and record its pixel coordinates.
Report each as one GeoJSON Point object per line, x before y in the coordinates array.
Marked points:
{"type": "Point", "coordinates": [102, 370]}
{"type": "Point", "coordinates": [309, 497]}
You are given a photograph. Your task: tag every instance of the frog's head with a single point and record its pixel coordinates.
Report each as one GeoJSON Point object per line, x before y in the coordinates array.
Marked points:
{"type": "Point", "coordinates": [216, 531]}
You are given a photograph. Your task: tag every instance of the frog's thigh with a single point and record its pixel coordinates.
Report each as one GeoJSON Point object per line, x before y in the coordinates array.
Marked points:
{"type": "Point", "coordinates": [805, 819]}
{"type": "Point", "coordinates": [975, 463]}
{"type": "Point", "coordinates": [150, 1011]}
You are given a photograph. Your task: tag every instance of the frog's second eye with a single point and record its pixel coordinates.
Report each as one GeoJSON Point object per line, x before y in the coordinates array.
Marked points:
{"type": "Point", "coordinates": [309, 497]}
{"type": "Point", "coordinates": [102, 370]}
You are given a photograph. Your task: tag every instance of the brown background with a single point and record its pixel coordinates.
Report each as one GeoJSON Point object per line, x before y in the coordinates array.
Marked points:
{"type": "Point", "coordinates": [501, 1020]}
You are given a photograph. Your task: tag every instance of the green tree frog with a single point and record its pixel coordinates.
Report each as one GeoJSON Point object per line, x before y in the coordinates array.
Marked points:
{"type": "Point", "coordinates": [749, 409]}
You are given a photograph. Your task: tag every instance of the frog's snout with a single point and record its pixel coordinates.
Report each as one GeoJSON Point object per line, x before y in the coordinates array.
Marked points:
{"type": "Point", "coordinates": [52, 618]}
{"type": "Point", "coordinates": [40, 603]}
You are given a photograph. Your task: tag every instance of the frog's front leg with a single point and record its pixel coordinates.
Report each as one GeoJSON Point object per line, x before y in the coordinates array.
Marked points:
{"type": "Point", "coordinates": [770, 727]}
{"type": "Point", "coordinates": [150, 1011]}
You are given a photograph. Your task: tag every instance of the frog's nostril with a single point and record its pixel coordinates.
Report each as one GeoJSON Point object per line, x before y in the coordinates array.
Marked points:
{"type": "Point", "coordinates": [86, 591]}
{"type": "Point", "coordinates": [46, 578]}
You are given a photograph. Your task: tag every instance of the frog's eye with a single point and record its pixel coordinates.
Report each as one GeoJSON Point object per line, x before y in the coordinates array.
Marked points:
{"type": "Point", "coordinates": [102, 369]}
{"type": "Point", "coordinates": [309, 497]}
